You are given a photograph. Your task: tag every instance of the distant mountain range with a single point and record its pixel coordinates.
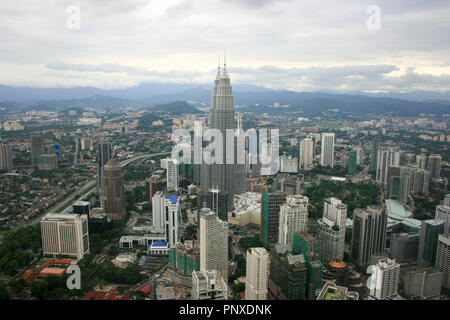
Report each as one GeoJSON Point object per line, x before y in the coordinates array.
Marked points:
{"type": "Point", "coordinates": [160, 97]}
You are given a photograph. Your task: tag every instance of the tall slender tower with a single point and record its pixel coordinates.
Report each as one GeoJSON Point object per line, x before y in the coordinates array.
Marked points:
{"type": "Point", "coordinates": [221, 117]}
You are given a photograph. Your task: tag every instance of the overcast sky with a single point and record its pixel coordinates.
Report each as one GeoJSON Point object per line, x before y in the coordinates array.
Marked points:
{"type": "Point", "coordinates": [304, 45]}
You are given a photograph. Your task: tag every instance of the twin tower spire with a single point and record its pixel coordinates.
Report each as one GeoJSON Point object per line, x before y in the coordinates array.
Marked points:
{"type": "Point", "coordinates": [224, 73]}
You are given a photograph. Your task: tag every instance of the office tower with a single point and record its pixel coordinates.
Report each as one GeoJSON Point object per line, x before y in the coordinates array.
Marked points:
{"type": "Point", "coordinates": [369, 234]}
{"type": "Point", "coordinates": [208, 285]}
{"type": "Point", "coordinates": [373, 157]}
{"type": "Point", "coordinates": [65, 235]}
{"type": "Point", "coordinates": [257, 274]}
{"type": "Point", "coordinates": [443, 258]}
{"type": "Point", "coordinates": [332, 230]}
{"type": "Point", "coordinates": [352, 162]}
{"type": "Point", "coordinates": [424, 283]}
{"type": "Point", "coordinates": [359, 155]}
{"type": "Point", "coordinates": [221, 117]}
{"type": "Point", "coordinates": [393, 182]}
{"type": "Point", "coordinates": [5, 157]}
{"type": "Point", "coordinates": [327, 151]}
{"type": "Point", "coordinates": [385, 277]}
{"type": "Point", "coordinates": [172, 175]}
{"type": "Point", "coordinates": [420, 181]}
{"type": "Point", "coordinates": [293, 218]}
{"type": "Point", "coordinates": [171, 217]}
{"type": "Point", "coordinates": [214, 244]}
{"type": "Point", "coordinates": [158, 214]}
{"type": "Point", "coordinates": [331, 291]}
{"type": "Point", "coordinates": [214, 199]}
{"type": "Point", "coordinates": [429, 235]}
{"type": "Point", "coordinates": [288, 274]}
{"type": "Point", "coordinates": [37, 148]}
{"type": "Point", "coordinates": [421, 161]}
{"type": "Point", "coordinates": [114, 195]}
{"type": "Point", "coordinates": [104, 155]}
{"type": "Point", "coordinates": [434, 165]}
{"type": "Point", "coordinates": [306, 154]}
{"type": "Point", "coordinates": [152, 185]}
{"type": "Point", "coordinates": [270, 217]}
{"type": "Point", "coordinates": [387, 156]}
{"type": "Point", "coordinates": [443, 213]}
{"type": "Point", "coordinates": [47, 162]}
{"type": "Point", "coordinates": [306, 244]}
{"type": "Point", "coordinates": [404, 247]}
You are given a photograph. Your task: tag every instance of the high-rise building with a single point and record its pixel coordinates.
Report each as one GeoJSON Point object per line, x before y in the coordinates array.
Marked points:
{"type": "Point", "coordinates": [104, 155]}
{"type": "Point", "coordinates": [240, 169]}
{"type": "Point", "coordinates": [6, 162]}
{"type": "Point", "coordinates": [385, 279]}
{"type": "Point", "coordinates": [37, 148]}
{"type": "Point", "coordinates": [327, 151]}
{"type": "Point", "coordinates": [369, 234]}
{"type": "Point", "coordinates": [429, 235]}
{"type": "Point", "coordinates": [421, 161]}
{"type": "Point", "coordinates": [208, 285]}
{"type": "Point", "coordinates": [214, 244]}
{"type": "Point", "coordinates": [257, 274]}
{"type": "Point", "coordinates": [216, 200]}
{"type": "Point", "coordinates": [332, 230]}
{"type": "Point", "coordinates": [434, 165]}
{"type": "Point", "coordinates": [306, 154]}
{"type": "Point", "coordinates": [443, 258]}
{"type": "Point", "coordinates": [293, 218]}
{"type": "Point", "coordinates": [171, 216]}
{"type": "Point", "coordinates": [114, 195]}
{"type": "Point", "coordinates": [331, 291]}
{"type": "Point", "coordinates": [158, 217]}
{"type": "Point", "coordinates": [47, 162]}
{"type": "Point", "coordinates": [288, 274]}
{"type": "Point", "coordinates": [387, 156]}
{"type": "Point", "coordinates": [65, 235]}
{"type": "Point", "coordinates": [443, 213]}
{"type": "Point", "coordinates": [270, 217]}
{"type": "Point", "coordinates": [404, 247]}
{"type": "Point", "coordinates": [352, 162]}
{"type": "Point", "coordinates": [172, 175]}
{"type": "Point", "coordinates": [152, 185]}
{"type": "Point", "coordinates": [423, 283]}
{"type": "Point", "coordinates": [220, 175]}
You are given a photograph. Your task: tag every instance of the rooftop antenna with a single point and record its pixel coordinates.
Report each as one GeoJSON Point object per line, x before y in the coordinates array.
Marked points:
{"type": "Point", "coordinates": [224, 60]}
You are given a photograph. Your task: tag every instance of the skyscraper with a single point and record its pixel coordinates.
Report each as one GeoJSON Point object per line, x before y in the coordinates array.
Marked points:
{"type": "Point", "coordinates": [65, 235]}
{"type": "Point", "coordinates": [171, 217]}
{"type": "Point", "coordinates": [208, 285]}
{"type": "Point", "coordinates": [257, 274]}
{"type": "Point", "coordinates": [114, 195]}
{"type": "Point", "coordinates": [443, 213]}
{"type": "Point", "coordinates": [214, 244]}
{"type": "Point", "coordinates": [172, 175]}
{"type": "Point", "coordinates": [37, 148]}
{"type": "Point", "coordinates": [434, 165]}
{"type": "Point", "coordinates": [270, 217]}
{"type": "Point", "coordinates": [215, 200]}
{"type": "Point", "coordinates": [306, 154]}
{"type": "Point", "coordinates": [332, 230]}
{"type": "Point", "coordinates": [158, 216]}
{"type": "Point", "coordinates": [386, 276]}
{"type": "Point", "coordinates": [104, 155]}
{"type": "Point", "coordinates": [429, 235]}
{"type": "Point", "coordinates": [327, 150]}
{"type": "Point", "coordinates": [352, 161]}
{"type": "Point", "coordinates": [221, 117]}
{"type": "Point", "coordinates": [443, 258]}
{"type": "Point", "coordinates": [421, 161]}
{"type": "Point", "coordinates": [369, 234]}
{"type": "Point", "coordinates": [387, 156]}
{"type": "Point", "coordinates": [293, 218]}
{"type": "Point", "coordinates": [5, 157]}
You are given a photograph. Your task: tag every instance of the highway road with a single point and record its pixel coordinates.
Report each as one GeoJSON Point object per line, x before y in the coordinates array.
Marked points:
{"type": "Point", "coordinates": [88, 185]}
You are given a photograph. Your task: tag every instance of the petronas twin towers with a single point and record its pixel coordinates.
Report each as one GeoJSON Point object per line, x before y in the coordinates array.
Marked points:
{"type": "Point", "coordinates": [225, 177]}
